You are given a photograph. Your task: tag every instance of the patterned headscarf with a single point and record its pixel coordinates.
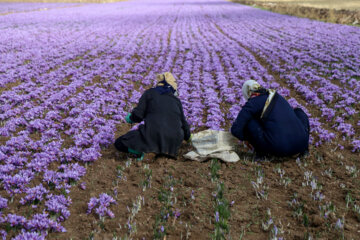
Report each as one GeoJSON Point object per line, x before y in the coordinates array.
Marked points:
{"type": "Point", "coordinates": [249, 87]}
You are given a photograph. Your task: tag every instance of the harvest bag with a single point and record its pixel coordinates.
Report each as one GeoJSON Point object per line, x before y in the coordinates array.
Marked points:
{"type": "Point", "coordinates": [213, 144]}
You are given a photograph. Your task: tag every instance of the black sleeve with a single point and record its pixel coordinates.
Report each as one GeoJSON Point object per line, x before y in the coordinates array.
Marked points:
{"type": "Point", "coordinates": [252, 108]}
{"type": "Point", "coordinates": [185, 125]}
{"type": "Point", "coordinates": [138, 113]}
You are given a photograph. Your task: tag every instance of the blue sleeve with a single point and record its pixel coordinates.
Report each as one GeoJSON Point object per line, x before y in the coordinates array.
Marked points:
{"type": "Point", "coordinates": [251, 109]}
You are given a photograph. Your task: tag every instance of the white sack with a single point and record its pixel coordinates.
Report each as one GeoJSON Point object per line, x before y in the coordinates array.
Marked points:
{"type": "Point", "coordinates": [213, 144]}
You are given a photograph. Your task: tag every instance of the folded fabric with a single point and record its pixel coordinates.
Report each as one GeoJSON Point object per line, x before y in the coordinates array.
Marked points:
{"type": "Point", "coordinates": [213, 144]}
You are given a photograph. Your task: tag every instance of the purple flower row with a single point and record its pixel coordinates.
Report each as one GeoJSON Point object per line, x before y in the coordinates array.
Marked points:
{"type": "Point", "coordinates": [76, 72]}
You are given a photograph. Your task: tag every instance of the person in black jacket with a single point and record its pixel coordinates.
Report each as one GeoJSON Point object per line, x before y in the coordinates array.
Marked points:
{"type": "Point", "coordinates": [165, 125]}
{"type": "Point", "coordinates": [270, 124]}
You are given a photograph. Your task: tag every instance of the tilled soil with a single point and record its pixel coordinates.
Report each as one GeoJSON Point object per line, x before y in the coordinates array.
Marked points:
{"type": "Point", "coordinates": [193, 197]}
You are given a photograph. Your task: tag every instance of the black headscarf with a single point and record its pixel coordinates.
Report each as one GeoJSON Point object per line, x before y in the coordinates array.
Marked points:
{"type": "Point", "coordinates": [164, 88]}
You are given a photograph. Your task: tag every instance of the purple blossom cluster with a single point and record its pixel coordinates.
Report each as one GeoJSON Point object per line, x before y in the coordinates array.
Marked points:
{"type": "Point", "coordinates": [34, 195]}
{"type": "Point", "coordinates": [69, 76]}
{"type": "Point", "coordinates": [101, 205]}
{"type": "Point", "coordinates": [16, 7]}
{"type": "Point", "coordinates": [38, 226]}
{"type": "Point", "coordinates": [29, 236]}
{"type": "Point", "coordinates": [65, 177]}
{"type": "Point", "coordinates": [3, 203]}
{"type": "Point", "coordinates": [57, 206]}
{"type": "Point", "coordinates": [356, 144]}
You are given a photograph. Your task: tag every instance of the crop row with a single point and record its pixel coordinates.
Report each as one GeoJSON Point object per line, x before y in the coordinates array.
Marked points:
{"type": "Point", "coordinates": [69, 76]}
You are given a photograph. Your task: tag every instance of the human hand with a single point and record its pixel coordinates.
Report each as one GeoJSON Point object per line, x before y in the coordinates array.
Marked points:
{"type": "Point", "coordinates": [247, 144]}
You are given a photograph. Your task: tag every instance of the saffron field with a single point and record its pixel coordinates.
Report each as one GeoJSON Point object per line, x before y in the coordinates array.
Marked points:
{"type": "Point", "coordinates": [69, 74]}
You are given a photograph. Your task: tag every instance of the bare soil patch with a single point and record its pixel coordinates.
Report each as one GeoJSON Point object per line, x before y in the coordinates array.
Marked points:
{"type": "Point", "coordinates": [347, 12]}
{"type": "Point", "coordinates": [330, 4]}
{"type": "Point", "coordinates": [194, 194]}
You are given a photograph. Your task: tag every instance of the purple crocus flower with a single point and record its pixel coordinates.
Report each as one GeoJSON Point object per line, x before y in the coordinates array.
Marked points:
{"type": "Point", "coordinates": [24, 235]}
{"type": "Point", "coordinates": [101, 205]}
{"type": "Point", "coordinates": [216, 216]}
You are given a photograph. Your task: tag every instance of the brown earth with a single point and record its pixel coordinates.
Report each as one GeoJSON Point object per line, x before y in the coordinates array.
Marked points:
{"type": "Point", "coordinates": [343, 12]}
{"type": "Point", "coordinates": [197, 214]}
{"type": "Point", "coordinates": [330, 4]}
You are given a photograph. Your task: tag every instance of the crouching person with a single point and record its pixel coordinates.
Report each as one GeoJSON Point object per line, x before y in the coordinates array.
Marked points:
{"type": "Point", "coordinates": [165, 126]}
{"type": "Point", "coordinates": [270, 124]}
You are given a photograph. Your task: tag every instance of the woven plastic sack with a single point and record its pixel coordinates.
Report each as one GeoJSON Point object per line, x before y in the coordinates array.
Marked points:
{"type": "Point", "coordinates": [213, 144]}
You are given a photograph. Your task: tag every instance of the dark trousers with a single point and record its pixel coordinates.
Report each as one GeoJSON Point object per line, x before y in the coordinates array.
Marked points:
{"type": "Point", "coordinates": [119, 145]}
{"type": "Point", "coordinates": [255, 136]}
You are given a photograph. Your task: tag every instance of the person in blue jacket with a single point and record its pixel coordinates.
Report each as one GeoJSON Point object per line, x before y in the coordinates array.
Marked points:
{"type": "Point", "coordinates": [270, 124]}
